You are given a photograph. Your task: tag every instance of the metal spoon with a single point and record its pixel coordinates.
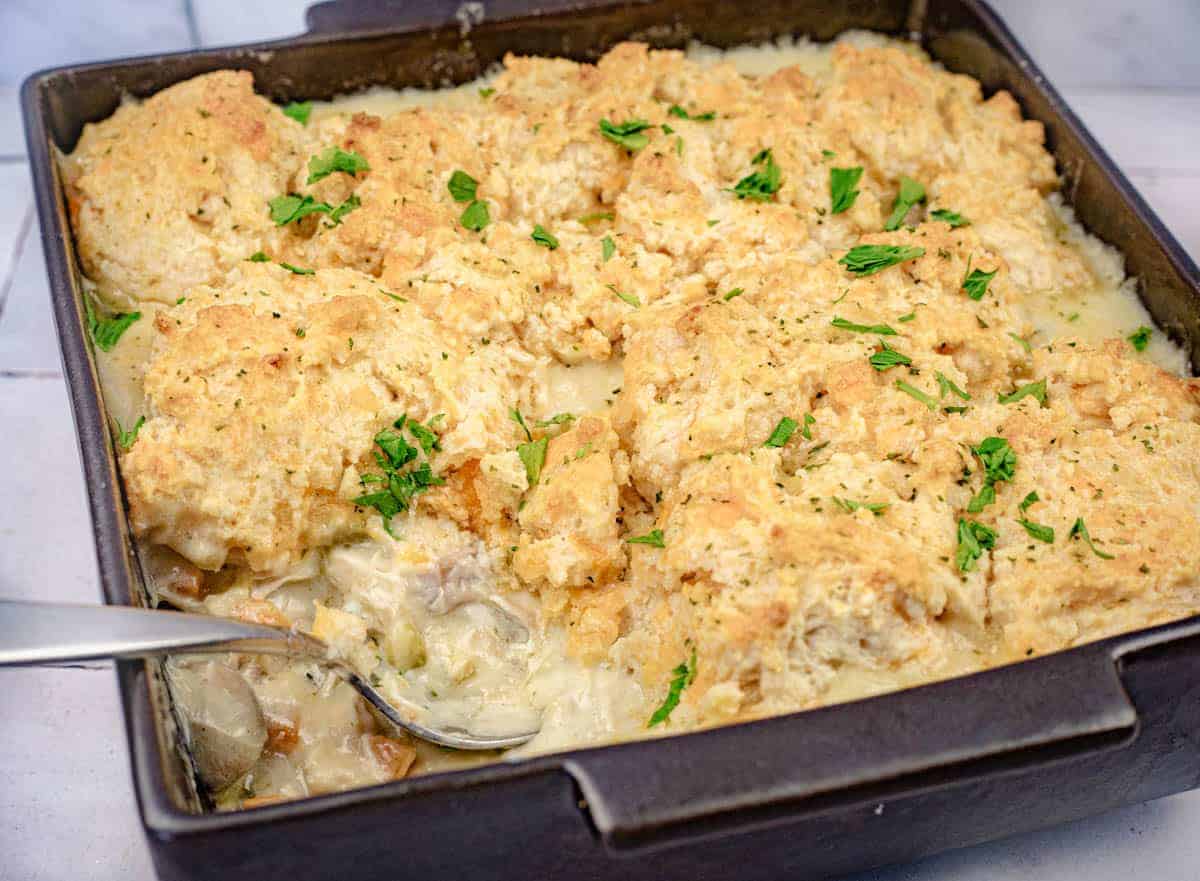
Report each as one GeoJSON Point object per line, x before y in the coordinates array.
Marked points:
{"type": "Point", "coordinates": [34, 634]}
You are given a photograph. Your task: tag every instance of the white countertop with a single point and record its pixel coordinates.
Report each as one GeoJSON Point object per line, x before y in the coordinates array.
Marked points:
{"type": "Point", "coordinates": [66, 804]}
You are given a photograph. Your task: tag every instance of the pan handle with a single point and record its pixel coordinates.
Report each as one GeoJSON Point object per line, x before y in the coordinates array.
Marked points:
{"type": "Point", "coordinates": [736, 778]}
{"type": "Point", "coordinates": [359, 16]}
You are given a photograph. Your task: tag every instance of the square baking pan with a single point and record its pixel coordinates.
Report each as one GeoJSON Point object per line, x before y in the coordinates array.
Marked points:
{"type": "Point", "coordinates": [807, 795]}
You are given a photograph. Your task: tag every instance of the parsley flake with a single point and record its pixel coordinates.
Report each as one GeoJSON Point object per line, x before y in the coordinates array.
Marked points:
{"type": "Point", "coordinates": [762, 184]}
{"type": "Point", "coordinates": [850, 506]}
{"type": "Point", "coordinates": [682, 677]}
{"type": "Point", "coordinates": [607, 248]}
{"type": "Point", "coordinates": [842, 192]}
{"type": "Point", "coordinates": [679, 112]}
{"type": "Point", "coordinates": [107, 332]}
{"type": "Point", "coordinates": [1030, 389]}
{"type": "Point", "coordinates": [806, 429]}
{"type": "Point", "coordinates": [515, 415]}
{"type": "Point", "coordinates": [462, 186]}
{"type": "Point", "coordinates": [597, 215]}
{"type": "Point", "coordinates": [866, 260]}
{"type": "Point", "coordinates": [951, 217]}
{"type": "Point", "coordinates": [631, 299]}
{"type": "Point", "coordinates": [654, 538]}
{"type": "Point", "coordinates": [299, 111]}
{"type": "Point", "coordinates": [543, 238]}
{"type": "Point", "coordinates": [296, 270]}
{"type": "Point", "coordinates": [914, 392]}
{"type": "Point", "coordinates": [736, 292]}
{"type": "Point", "coordinates": [125, 438]}
{"type": "Point", "coordinates": [402, 483]}
{"type": "Point", "coordinates": [259, 257]}
{"type": "Point", "coordinates": [1038, 531]}
{"type": "Point", "coordinates": [629, 134]}
{"type": "Point", "coordinates": [946, 385]}
{"type": "Point", "coordinates": [533, 457]}
{"type": "Point", "coordinates": [976, 283]}
{"type": "Point", "coordinates": [1079, 530]}
{"type": "Point", "coordinates": [880, 329]}
{"type": "Point", "coordinates": [292, 207]}
{"type": "Point", "coordinates": [887, 358]}
{"type": "Point", "coordinates": [973, 539]}
{"type": "Point", "coordinates": [333, 160]}
{"type": "Point", "coordinates": [1140, 338]}
{"type": "Point", "coordinates": [782, 432]}
{"type": "Point", "coordinates": [909, 195]}
{"type": "Point", "coordinates": [475, 216]}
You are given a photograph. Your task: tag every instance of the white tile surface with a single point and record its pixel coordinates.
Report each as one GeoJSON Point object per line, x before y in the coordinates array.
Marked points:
{"type": "Point", "coordinates": [45, 33]}
{"type": "Point", "coordinates": [1131, 71]}
{"type": "Point", "coordinates": [27, 337]}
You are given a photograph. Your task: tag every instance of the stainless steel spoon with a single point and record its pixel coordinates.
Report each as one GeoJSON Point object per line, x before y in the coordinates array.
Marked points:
{"type": "Point", "coordinates": [35, 634]}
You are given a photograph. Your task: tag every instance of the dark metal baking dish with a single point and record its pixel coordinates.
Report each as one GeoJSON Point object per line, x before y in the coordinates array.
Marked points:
{"type": "Point", "coordinates": [807, 795]}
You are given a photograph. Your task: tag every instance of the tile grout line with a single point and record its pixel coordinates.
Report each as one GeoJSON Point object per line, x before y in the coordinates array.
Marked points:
{"type": "Point", "coordinates": [29, 373]}
{"type": "Point", "coordinates": [189, 13]}
{"type": "Point", "coordinates": [18, 252]}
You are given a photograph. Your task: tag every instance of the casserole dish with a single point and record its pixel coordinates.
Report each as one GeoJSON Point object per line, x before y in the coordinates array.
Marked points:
{"type": "Point", "coordinates": [807, 778]}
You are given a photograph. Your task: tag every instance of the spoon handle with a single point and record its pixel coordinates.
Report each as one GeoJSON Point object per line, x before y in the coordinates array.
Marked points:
{"type": "Point", "coordinates": [33, 634]}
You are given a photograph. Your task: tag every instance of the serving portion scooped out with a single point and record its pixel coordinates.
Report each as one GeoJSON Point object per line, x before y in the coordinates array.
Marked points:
{"type": "Point", "coordinates": [626, 399]}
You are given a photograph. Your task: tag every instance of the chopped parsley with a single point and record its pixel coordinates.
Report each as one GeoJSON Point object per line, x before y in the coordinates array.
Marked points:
{"type": "Point", "coordinates": [951, 217]}
{"type": "Point", "coordinates": [556, 419]}
{"type": "Point", "coordinates": [292, 207]}
{"type": "Point", "coordinates": [909, 195]}
{"type": "Point", "coordinates": [333, 160]}
{"type": "Point", "coordinates": [914, 392]}
{"type": "Point", "coordinates": [869, 259]}
{"type": "Point", "coordinates": [631, 299]}
{"type": "Point", "coordinates": [654, 538]}
{"type": "Point", "coordinates": [299, 111]}
{"type": "Point", "coordinates": [736, 292]}
{"type": "Point", "coordinates": [908, 317]}
{"type": "Point", "coordinates": [806, 428]}
{"type": "Point", "coordinates": [976, 283]}
{"type": "Point", "coordinates": [782, 432]}
{"type": "Point", "coordinates": [973, 539]}
{"type": "Point", "coordinates": [543, 238]}
{"type": "Point", "coordinates": [679, 112]}
{"type": "Point", "coordinates": [850, 506]}
{"type": "Point", "coordinates": [1022, 342]}
{"type": "Point", "coordinates": [1140, 338]}
{"type": "Point", "coordinates": [607, 248]}
{"type": "Point", "coordinates": [881, 329]}
{"type": "Point", "coordinates": [297, 270]}
{"type": "Point", "coordinates": [1028, 501]}
{"type": "Point", "coordinates": [597, 215]}
{"type": "Point", "coordinates": [762, 184]}
{"type": "Point", "coordinates": [1038, 531]}
{"type": "Point", "coordinates": [486, 92]}
{"type": "Point", "coordinates": [682, 677]}
{"type": "Point", "coordinates": [947, 386]}
{"type": "Point", "coordinates": [107, 332]}
{"type": "Point", "coordinates": [259, 257]}
{"type": "Point", "coordinates": [475, 216]}
{"type": "Point", "coordinates": [515, 415]}
{"type": "Point", "coordinates": [1079, 530]}
{"type": "Point", "coordinates": [1030, 389]}
{"type": "Point", "coordinates": [629, 134]}
{"type": "Point", "coordinates": [336, 215]}
{"type": "Point", "coordinates": [533, 457]}
{"type": "Point", "coordinates": [462, 186]}
{"type": "Point", "coordinates": [842, 192]}
{"type": "Point", "coordinates": [125, 438]}
{"type": "Point", "coordinates": [887, 358]}
{"type": "Point", "coordinates": [404, 476]}
{"type": "Point", "coordinates": [999, 462]}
